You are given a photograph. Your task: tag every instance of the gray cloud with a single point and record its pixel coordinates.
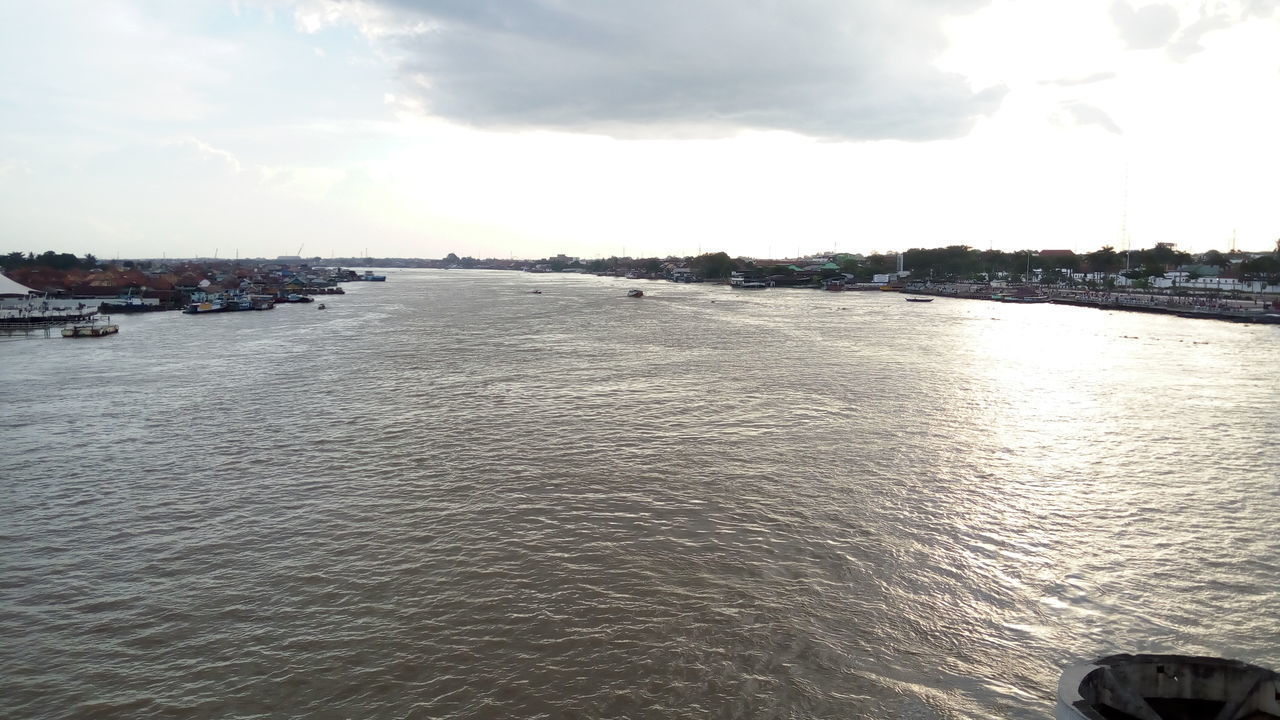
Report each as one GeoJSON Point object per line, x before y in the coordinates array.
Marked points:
{"type": "Point", "coordinates": [824, 68]}
{"type": "Point", "coordinates": [1148, 27]}
{"type": "Point", "coordinates": [1083, 114]}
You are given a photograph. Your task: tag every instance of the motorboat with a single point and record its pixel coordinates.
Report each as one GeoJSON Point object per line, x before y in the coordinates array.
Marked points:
{"type": "Point", "coordinates": [320, 306]}
{"type": "Point", "coordinates": [1168, 687]}
{"type": "Point", "coordinates": [635, 293]}
{"type": "Point", "coordinates": [919, 299]}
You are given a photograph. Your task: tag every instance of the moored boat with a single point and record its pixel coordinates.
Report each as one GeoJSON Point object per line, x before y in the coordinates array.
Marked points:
{"type": "Point", "coordinates": [128, 304]}
{"type": "Point", "coordinates": [95, 327]}
{"type": "Point", "coordinates": [1168, 687]}
{"type": "Point", "coordinates": [208, 305]}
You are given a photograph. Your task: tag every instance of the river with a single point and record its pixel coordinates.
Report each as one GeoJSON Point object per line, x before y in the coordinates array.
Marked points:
{"type": "Point", "coordinates": [446, 497]}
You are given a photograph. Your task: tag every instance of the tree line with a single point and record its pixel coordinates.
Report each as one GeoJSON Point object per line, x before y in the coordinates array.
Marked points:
{"type": "Point", "coordinates": [49, 259]}
{"type": "Point", "coordinates": [963, 263]}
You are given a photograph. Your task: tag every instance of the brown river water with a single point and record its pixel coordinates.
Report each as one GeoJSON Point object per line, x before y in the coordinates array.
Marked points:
{"type": "Point", "coordinates": [446, 497]}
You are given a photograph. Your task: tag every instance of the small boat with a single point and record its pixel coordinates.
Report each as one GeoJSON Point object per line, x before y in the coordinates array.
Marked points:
{"type": "Point", "coordinates": [919, 299]}
{"type": "Point", "coordinates": [535, 292]}
{"type": "Point", "coordinates": [635, 293]}
{"type": "Point", "coordinates": [1168, 687]}
{"type": "Point", "coordinates": [320, 306]}
{"type": "Point", "coordinates": [96, 327]}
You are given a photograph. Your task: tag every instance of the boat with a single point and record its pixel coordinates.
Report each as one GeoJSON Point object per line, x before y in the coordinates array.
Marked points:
{"type": "Point", "coordinates": [294, 298]}
{"type": "Point", "coordinates": [95, 327]}
{"type": "Point", "coordinates": [207, 305]}
{"type": "Point", "coordinates": [1168, 687]}
{"type": "Point", "coordinates": [368, 276]}
{"type": "Point", "coordinates": [535, 292]}
{"type": "Point", "coordinates": [128, 304]}
{"type": "Point", "coordinates": [320, 306]}
{"type": "Point", "coordinates": [919, 299]}
{"type": "Point", "coordinates": [635, 293]}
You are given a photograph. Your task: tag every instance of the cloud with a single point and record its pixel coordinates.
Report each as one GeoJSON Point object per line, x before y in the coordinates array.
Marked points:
{"type": "Point", "coordinates": [207, 151]}
{"type": "Point", "coordinates": [1261, 8]}
{"type": "Point", "coordinates": [1151, 26]}
{"type": "Point", "coordinates": [1160, 26]}
{"type": "Point", "coordinates": [1083, 80]}
{"type": "Point", "coordinates": [1082, 114]}
{"type": "Point", "coordinates": [823, 68]}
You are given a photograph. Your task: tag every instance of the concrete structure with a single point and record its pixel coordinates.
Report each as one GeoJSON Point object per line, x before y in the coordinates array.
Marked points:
{"type": "Point", "coordinates": [1164, 687]}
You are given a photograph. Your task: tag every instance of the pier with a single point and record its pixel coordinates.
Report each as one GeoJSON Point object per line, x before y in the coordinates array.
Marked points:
{"type": "Point", "coordinates": [19, 320]}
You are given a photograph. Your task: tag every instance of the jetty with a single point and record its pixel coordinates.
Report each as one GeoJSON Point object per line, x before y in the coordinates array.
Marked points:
{"type": "Point", "coordinates": [14, 321]}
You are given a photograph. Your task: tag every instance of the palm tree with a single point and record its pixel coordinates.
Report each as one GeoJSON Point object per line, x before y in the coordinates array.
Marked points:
{"type": "Point", "coordinates": [1104, 260]}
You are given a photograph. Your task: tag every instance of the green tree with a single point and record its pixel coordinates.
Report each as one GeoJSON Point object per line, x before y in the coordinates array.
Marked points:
{"type": "Point", "coordinates": [878, 263]}
{"type": "Point", "coordinates": [1216, 259]}
{"type": "Point", "coordinates": [1265, 268]}
{"type": "Point", "coordinates": [1104, 260]}
{"type": "Point", "coordinates": [713, 265]}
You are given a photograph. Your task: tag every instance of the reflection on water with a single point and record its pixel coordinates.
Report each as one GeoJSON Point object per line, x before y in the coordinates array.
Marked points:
{"type": "Point", "coordinates": [446, 497]}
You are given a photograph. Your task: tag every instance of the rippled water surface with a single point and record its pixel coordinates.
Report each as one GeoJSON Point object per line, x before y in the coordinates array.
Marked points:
{"type": "Point", "coordinates": [445, 497]}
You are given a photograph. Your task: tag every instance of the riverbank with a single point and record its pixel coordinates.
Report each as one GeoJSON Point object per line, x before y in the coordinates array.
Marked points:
{"type": "Point", "coordinates": [1207, 308]}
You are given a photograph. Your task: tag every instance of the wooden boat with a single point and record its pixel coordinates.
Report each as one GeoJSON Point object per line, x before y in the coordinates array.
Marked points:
{"type": "Point", "coordinates": [94, 328]}
{"type": "Point", "coordinates": [1168, 687]}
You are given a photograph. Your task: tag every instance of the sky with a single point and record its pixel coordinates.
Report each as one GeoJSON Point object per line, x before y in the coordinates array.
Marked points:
{"type": "Point", "coordinates": [527, 128]}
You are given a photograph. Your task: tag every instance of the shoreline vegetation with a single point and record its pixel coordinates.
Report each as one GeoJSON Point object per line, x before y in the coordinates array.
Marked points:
{"type": "Point", "coordinates": [1237, 286]}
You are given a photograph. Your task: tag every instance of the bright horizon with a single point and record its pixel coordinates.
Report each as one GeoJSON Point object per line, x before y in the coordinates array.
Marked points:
{"type": "Point", "coordinates": [395, 128]}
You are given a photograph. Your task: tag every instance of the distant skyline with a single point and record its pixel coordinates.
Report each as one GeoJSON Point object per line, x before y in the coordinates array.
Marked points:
{"type": "Point", "coordinates": [403, 128]}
